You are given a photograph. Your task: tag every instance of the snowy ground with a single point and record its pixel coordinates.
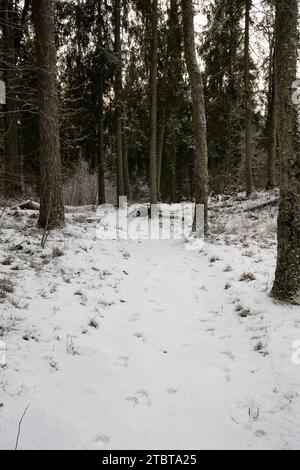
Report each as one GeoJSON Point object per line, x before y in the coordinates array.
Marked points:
{"type": "Point", "coordinates": [145, 345]}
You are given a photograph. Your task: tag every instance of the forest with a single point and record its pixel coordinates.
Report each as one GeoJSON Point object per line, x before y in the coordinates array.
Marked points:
{"type": "Point", "coordinates": [187, 110]}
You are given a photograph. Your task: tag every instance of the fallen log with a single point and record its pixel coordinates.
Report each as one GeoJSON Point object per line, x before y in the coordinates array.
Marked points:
{"type": "Point", "coordinates": [28, 206]}
{"type": "Point", "coordinates": [263, 205]}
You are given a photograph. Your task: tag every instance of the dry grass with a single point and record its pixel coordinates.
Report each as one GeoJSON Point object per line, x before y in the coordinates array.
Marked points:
{"type": "Point", "coordinates": [57, 252]}
{"type": "Point", "coordinates": [93, 324]}
{"type": "Point", "coordinates": [6, 286]}
{"type": "Point", "coordinates": [247, 277]}
{"type": "Point", "coordinates": [81, 188]}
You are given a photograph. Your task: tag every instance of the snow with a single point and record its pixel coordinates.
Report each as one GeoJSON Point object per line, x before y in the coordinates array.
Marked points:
{"type": "Point", "coordinates": [145, 344]}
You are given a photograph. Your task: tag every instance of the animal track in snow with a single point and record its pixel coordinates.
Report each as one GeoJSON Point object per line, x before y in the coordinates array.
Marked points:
{"type": "Point", "coordinates": [140, 336]}
{"type": "Point", "coordinates": [210, 330]}
{"type": "Point", "coordinates": [260, 433]}
{"type": "Point", "coordinates": [229, 354]}
{"type": "Point", "coordinates": [227, 374]}
{"type": "Point", "coordinates": [140, 398]}
{"type": "Point", "coordinates": [102, 441]}
{"type": "Point", "coordinates": [123, 361]}
{"type": "Point", "coordinates": [134, 317]}
{"type": "Point", "coordinates": [171, 391]}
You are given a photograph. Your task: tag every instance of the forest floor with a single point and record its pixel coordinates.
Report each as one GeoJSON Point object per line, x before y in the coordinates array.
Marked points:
{"type": "Point", "coordinates": [146, 345]}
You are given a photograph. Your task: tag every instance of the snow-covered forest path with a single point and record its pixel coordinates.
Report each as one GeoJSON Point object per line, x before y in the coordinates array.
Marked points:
{"type": "Point", "coordinates": [128, 345]}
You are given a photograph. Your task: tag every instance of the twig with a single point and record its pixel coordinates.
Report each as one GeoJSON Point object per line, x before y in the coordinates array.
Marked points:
{"type": "Point", "coordinates": [3, 212]}
{"type": "Point", "coordinates": [20, 425]}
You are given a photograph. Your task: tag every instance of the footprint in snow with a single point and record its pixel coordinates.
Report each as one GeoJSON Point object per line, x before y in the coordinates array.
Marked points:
{"type": "Point", "coordinates": [134, 317]}
{"type": "Point", "coordinates": [122, 361]}
{"type": "Point", "coordinates": [171, 391]}
{"type": "Point", "coordinates": [227, 374]}
{"type": "Point", "coordinates": [229, 354]}
{"type": "Point", "coordinates": [211, 330]}
{"type": "Point", "coordinates": [141, 337]}
{"type": "Point", "coordinates": [140, 398]}
{"type": "Point", "coordinates": [260, 433]}
{"type": "Point", "coordinates": [102, 441]}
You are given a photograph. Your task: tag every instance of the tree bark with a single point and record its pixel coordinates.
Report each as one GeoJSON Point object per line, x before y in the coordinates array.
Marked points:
{"type": "Point", "coordinates": [160, 148]}
{"type": "Point", "coordinates": [118, 100]}
{"type": "Point", "coordinates": [248, 119]}
{"type": "Point", "coordinates": [125, 165]}
{"type": "Point", "coordinates": [153, 105]}
{"type": "Point", "coordinates": [12, 168]}
{"type": "Point", "coordinates": [271, 128]}
{"type": "Point", "coordinates": [287, 281]}
{"type": "Point", "coordinates": [174, 167]}
{"type": "Point", "coordinates": [101, 172]}
{"type": "Point", "coordinates": [51, 209]}
{"type": "Point", "coordinates": [101, 150]}
{"type": "Point", "coordinates": [199, 118]}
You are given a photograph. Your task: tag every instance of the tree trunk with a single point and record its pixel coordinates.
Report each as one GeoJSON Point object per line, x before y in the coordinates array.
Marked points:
{"type": "Point", "coordinates": [52, 209]}
{"type": "Point", "coordinates": [153, 106]}
{"type": "Point", "coordinates": [174, 167]}
{"type": "Point", "coordinates": [125, 165]}
{"type": "Point", "coordinates": [160, 148]}
{"type": "Point", "coordinates": [12, 169]}
{"type": "Point", "coordinates": [271, 128]}
{"type": "Point", "coordinates": [248, 119]}
{"type": "Point", "coordinates": [201, 159]}
{"type": "Point", "coordinates": [118, 100]}
{"type": "Point", "coordinates": [287, 281]}
{"type": "Point", "coordinates": [101, 150]}
{"type": "Point", "coordinates": [101, 172]}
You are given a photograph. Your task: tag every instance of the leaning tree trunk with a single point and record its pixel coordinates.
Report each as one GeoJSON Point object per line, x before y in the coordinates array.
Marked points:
{"type": "Point", "coordinates": [51, 209]}
{"type": "Point", "coordinates": [118, 100]}
{"type": "Point", "coordinates": [287, 281]}
{"type": "Point", "coordinates": [248, 151]}
{"type": "Point", "coordinates": [201, 159]}
{"type": "Point", "coordinates": [12, 169]}
{"type": "Point", "coordinates": [153, 106]}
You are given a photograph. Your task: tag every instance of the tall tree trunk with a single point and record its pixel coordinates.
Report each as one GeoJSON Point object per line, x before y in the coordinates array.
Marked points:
{"type": "Point", "coordinates": [101, 172]}
{"type": "Point", "coordinates": [12, 169]}
{"type": "Point", "coordinates": [248, 118]}
{"type": "Point", "coordinates": [287, 281]}
{"type": "Point", "coordinates": [163, 111]}
{"type": "Point", "coordinates": [101, 150]}
{"type": "Point", "coordinates": [153, 105]}
{"type": "Point", "coordinates": [52, 209]}
{"type": "Point", "coordinates": [125, 164]}
{"type": "Point", "coordinates": [201, 159]}
{"type": "Point", "coordinates": [271, 127]}
{"type": "Point", "coordinates": [174, 166]}
{"type": "Point", "coordinates": [231, 87]}
{"type": "Point", "coordinates": [160, 148]}
{"type": "Point", "coordinates": [118, 100]}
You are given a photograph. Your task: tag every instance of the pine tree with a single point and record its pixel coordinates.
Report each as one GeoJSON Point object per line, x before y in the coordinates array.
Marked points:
{"type": "Point", "coordinates": [52, 209]}
{"type": "Point", "coordinates": [248, 116]}
{"type": "Point", "coordinates": [224, 91]}
{"type": "Point", "coordinates": [287, 281]}
{"type": "Point", "coordinates": [12, 177]}
{"type": "Point", "coordinates": [153, 104]}
{"type": "Point", "coordinates": [101, 157]}
{"type": "Point", "coordinates": [199, 118]}
{"type": "Point", "coordinates": [118, 99]}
